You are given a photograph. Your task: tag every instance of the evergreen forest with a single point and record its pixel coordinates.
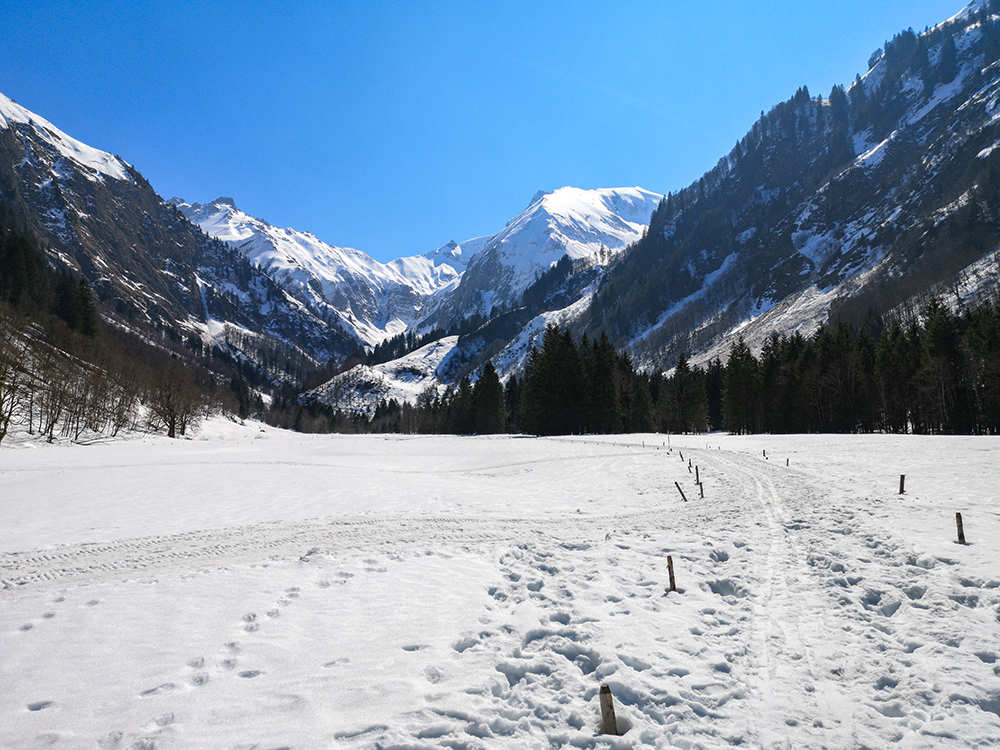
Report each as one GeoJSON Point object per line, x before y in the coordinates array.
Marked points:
{"type": "Point", "coordinates": [938, 373]}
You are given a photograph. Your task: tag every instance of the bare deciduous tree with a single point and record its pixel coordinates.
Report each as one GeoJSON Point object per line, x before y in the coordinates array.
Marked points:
{"type": "Point", "coordinates": [173, 400]}
{"type": "Point", "coordinates": [12, 377]}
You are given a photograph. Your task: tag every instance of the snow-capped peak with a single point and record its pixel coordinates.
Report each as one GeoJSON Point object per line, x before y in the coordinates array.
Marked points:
{"type": "Point", "coordinates": [373, 300]}
{"type": "Point", "coordinates": [93, 161]}
{"type": "Point", "coordinates": [593, 224]}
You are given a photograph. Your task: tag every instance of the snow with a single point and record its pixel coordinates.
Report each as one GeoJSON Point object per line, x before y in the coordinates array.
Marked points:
{"type": "Point", "coordinates": [568, 221]}
{"type": "Point", "coordinates": [93, 160]}
{"type": "Point", "coordinates": [802, 313]}
{"type": "Point", "coordinates": [942, 93]}
{"type": "Point", "coordinates": [709, 280]}
{"type": "Point", "coordinates": [258, 588]}
{"type": "Point", "coordinates": [873, 156]}
{"type": "Point", "coordinates": [374, 300]}
{"type": "Point", "coordinates": [363, 387]}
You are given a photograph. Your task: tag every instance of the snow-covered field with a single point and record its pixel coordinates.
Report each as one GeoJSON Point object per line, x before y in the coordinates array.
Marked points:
{"type": "Point", "coordinates": [254, 588]}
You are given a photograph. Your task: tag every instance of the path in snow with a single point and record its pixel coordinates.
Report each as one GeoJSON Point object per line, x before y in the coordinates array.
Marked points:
{"type": "Point", "coordinates": [463, 593]}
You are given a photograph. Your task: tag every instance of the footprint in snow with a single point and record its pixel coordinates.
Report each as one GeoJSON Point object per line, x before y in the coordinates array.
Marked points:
{"type": "Point", "coordinates": [166, 687]}
{"type": "Point", "coordinates": [110, 741]}
{"type": "Point", "coordinates": [433, 675]}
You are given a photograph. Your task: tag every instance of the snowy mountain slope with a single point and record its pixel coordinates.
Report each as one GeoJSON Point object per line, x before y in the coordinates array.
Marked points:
{"type": "Point", "coordinates": [92, 162]}
{"type": "Point", "coordinates": [588, 226]}
{"type": "Point", "coordinates": [869, 197]}
{"type": "Point", "coordinates": [152, 269]}
{"type": "Point", "coordinates": [303, 591]}
{"type": "Point", "coordinates": [362, 388]}
{"type": "Point", "coordinates": [583, 224]}
{"type": "Point", "coordinates": [373, 301]}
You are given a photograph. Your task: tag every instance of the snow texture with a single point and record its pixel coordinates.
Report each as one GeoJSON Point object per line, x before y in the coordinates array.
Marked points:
{"type": "Point", "coordinates": [257, 588]}
{"type": "Point", "coordinates": [363, 387]}
{"type": "Point", "coordinates": [569, 221]}
{"type": "Point", "coordinates": [375, 301]}
{"type": "Point", "coordinates": [93, 161]}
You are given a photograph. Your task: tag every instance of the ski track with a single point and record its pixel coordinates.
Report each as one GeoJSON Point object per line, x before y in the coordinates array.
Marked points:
{"type": "Point", "coordinates": [797, 591]}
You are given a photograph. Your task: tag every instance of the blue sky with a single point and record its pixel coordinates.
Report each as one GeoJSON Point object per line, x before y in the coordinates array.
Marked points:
{"type": "Point", "coordinates": [395, 127]}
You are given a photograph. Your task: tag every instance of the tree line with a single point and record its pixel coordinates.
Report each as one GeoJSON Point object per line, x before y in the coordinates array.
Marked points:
{"type": "Point", "coordinates": [937, 373]}
{"type": "Point", "coordinates": [66, 373]}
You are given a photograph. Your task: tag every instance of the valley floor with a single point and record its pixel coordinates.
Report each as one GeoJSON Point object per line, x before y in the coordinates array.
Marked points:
{"type": "Point", "coordinates": [254, 588]}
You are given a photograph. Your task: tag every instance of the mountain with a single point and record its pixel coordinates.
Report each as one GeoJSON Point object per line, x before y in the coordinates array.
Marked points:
{"type": "Point", "coordinates": [215, 278]}
{"type": "Point", "coordinates": [541, 268]}
{"type": "Point", "coordinates": [152, 269]}
{"type": "Point", "coordinates": [857, 206]}
{"type": "Point", "coordinates": [370, 301]}
{"type": "Point", "coordinates": [585, 225]}
{"type": "Point", "coordinates": [361, 389]}
{"type": "Point", "coordinates": [871, 198]}
{"type": "Point", "coordinates": [440, 289]}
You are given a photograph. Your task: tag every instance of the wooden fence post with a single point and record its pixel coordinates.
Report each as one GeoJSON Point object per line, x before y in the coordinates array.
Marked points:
{"type": "Point", "coordinates": [608, 723]}
{"type": "Point", "coordinates": [696, 478]}
{"type": "Point", "coordinates": [701, 490]}
{"type": "Point", "coordinates": [678, 486]}
{"type": "Point", "coordinates": [670, 570]}
{"type": "Point", "coordinates": [961, 529]}
{"type": "Point", "coordinates": [902, 481]}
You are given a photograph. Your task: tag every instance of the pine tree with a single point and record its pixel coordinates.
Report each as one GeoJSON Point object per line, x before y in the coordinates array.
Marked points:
{"type": "Point", "coordinates": [88, 313]}
{"type": "Point", "coordinates": [948, 65]}
{"type": "Point", "coordinates": [68, 305]}
{"type": "Point", "coordinates": [489, 410]}
{"type": "Point", "coordinates": [740, 390]}
{"type": "Point", "coordinates": [603, 398]}
{"type": "Point", "coordinates": [554, 396]}
{"type": "Point", "coordinates": [684, 404]}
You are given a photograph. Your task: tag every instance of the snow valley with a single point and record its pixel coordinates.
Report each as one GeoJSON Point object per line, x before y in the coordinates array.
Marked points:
{"type": "Point", "coordinates": [303, 591]}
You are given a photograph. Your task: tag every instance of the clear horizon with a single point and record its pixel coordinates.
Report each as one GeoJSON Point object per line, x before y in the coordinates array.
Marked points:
{"type": "Point", "coordinates": [394, 129]}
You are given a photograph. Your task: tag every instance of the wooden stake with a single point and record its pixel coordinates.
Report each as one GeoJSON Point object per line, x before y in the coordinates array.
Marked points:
{"type": "Point", "coordinates": [961, 529]}
{"type": "Point", "coordinates": [701, 490]}
{"type": "Point", "coordinates": [681, 455]}
{"type": "Point", "coordinates": [697, 480]}
{"type": "Point", "coordinates": [678, 486]}
{"type": "Point", "coordinates": [670, 570]}
{"type": "Point", "coordinates": [608, 723]}
{"type": "Point", "coordinates": [902, 481]}
{"type": "Point", "coordinates": [786, 462]}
